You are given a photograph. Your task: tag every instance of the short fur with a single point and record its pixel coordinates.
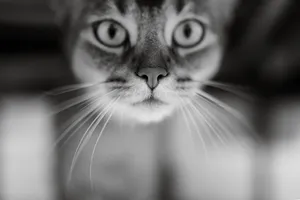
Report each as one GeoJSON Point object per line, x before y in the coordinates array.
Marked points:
{"type": "Point", "coordinates": [150, 25]}
{"type": "Point", "coordinates": [112, 72]}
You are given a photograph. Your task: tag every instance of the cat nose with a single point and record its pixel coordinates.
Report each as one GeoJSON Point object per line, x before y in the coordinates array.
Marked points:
{"type": "Point", "coordinates": [152, 75]}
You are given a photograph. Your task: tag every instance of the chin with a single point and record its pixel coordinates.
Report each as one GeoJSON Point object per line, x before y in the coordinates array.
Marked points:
{"type": "Point", "coordinates": [144, 113]}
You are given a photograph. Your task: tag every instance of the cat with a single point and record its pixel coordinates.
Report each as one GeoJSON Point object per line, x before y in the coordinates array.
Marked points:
{"type": "Point", "coordinates": [142, 66]}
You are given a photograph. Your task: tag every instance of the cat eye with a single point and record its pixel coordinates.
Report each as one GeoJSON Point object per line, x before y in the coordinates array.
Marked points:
{"type": "Point", "coordinates": [110, 33]}
{"type": "Point", "coordinates": [189, 33]}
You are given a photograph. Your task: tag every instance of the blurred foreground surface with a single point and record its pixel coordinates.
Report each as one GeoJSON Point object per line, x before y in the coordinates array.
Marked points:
{"type": "Point", "coordinates": [27, 169]}
{"type": "Point", "coordinates": [27, 165]}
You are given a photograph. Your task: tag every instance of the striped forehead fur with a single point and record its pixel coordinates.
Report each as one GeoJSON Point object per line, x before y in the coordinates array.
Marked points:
{"type": "Point", "coordinates": [219, 11]}
{"type": "Point", "coordinates": [151, 4]}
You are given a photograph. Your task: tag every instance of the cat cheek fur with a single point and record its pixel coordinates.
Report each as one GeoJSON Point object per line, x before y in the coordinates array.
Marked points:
{"type": "Point", "coordinates": [204, 66]}
{"type": "Point", "coordinates": [85, 68]}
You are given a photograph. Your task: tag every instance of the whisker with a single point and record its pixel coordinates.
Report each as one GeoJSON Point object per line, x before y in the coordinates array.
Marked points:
{"type": "Point", "coordinates": [198, 131]}
{"type": "Point", "coordinates": [204, 122]}
{"type": "Point", "coordinates": [73, 102]}
{"type": "Point", "coordinates": [86, 136]}
{"type": "Point", "coordinates": [185, 117]}
{"type": "Point", "coordinates": [97, 141]}
{"type": "Point", "coordinates": [210, 118]}
{"type": "Point", "coordinates": [88, 117]}
{"type": "Point", "coordinates": [238, 91]}
{"type": "Point", "coordinates": [207, 118]}
{"type": "Point", "coordinates": [224, 106]}
{"type": "Point", "coordinates": [86, 101]}
{"type": "Point", "coordinates": [222, 86]}
{"type": "Point", "coordinates": [69, 88]}
{"type": "Point", "coordinates": [232, 129]}
{"type": "Point", "coordinates": [78, 118]}
{"type": "Point", "coordinates": [228, 110]}
{"type": "Point", "coordinates": [186, 121]}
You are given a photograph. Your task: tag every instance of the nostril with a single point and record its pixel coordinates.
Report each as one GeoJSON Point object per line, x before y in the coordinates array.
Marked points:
{"type": "Point", "coordinates": [145, 77]}
{"type": "Point", "coordinates": [161, 76]}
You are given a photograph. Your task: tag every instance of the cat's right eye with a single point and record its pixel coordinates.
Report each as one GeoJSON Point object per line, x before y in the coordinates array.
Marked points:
{"type": "Point", "coordinates": [110, 33]}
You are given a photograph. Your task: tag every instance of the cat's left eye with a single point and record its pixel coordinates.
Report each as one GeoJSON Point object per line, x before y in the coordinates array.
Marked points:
{"type": "Point", "coordinates": [110, 33]}
{"type": "Point", "coordinates": [188, 34]}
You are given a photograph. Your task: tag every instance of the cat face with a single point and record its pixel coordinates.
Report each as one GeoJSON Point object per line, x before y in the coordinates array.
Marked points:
{"type": "Point", "coordinates": [145, 59]}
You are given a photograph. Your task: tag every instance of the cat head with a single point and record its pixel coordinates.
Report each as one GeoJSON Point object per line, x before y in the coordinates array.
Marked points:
{"type": "Point", "coordinates": [144, 59]}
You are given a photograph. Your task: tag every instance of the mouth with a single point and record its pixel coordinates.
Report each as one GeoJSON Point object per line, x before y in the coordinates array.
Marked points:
{"type": "Point", "coordinates": [151, 101]}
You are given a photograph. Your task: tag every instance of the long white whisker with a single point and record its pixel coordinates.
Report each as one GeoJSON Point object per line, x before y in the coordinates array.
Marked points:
{"type": "Point", "coordinates": [95, 97]}
{"type": "Point", "coordinates": [75, 101]}
{"type": "Point", "coordinates": [228, 110]}
{"type": "Point", "coordinates": [228, 88]}
{"type": "Point", "coordinates": [97, 141]}
{"type": "Point", "coordinates": [88, 117]}
{"type": "Point", "coordinates": [198, 131]}
{"type": "Point", "coordinates": [224, 106]}
{"type": "Point", "coordinates": [81, 116]}
{"type": "Point", "coordinates": [230, 129]}
{"type": "Point", "coordinates": [186, 122]}
{"type": "Point", "coordinates": [222, 86]}
{"type": "Point", "coordinates": [204, 122]}
{"type": "Point", "coordinates": [185, 116]}
{"type": "Point", "coordinates": [85, 137]}
{"type": "Point", "coordinates": [207, 117]}
{"type": "Point", "coordinates": [216, 109]}
{"type": "Point", "coordinates": [69, 88]}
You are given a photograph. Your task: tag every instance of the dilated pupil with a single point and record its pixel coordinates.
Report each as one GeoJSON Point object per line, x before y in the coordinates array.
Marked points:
{"type": "Point", "coordinates": [112, 31]}
{"type": "Point", "coordinates": [187, 31]}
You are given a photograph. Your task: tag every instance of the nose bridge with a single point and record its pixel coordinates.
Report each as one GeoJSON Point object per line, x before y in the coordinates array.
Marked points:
{"type": "Point", "coordinates": [149, 41]}
{"type": "Point", "coordinates": [152, 59]}
{"type": "Point", "coordinates": [152, 50]}
{"type": "Point", "coordinates": [147, 52]}
{"type": "Point", "coordinates": [152, 65]}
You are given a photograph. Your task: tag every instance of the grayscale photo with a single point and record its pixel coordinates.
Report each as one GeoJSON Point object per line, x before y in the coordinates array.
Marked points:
{"type": "Point", "coordinates": [149, 100]}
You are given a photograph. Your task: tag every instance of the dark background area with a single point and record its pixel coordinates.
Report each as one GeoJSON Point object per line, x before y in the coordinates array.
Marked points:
{"type": "Point", "coordinates": [264, 47]}
{"type": "Point", "coordinates": [31, 57]}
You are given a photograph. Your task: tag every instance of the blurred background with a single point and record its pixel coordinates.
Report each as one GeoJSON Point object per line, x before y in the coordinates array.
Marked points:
{"type": "Point", "coordinates": [31, 62]}
{"type": "Point", "coordinates": [263, 53]}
